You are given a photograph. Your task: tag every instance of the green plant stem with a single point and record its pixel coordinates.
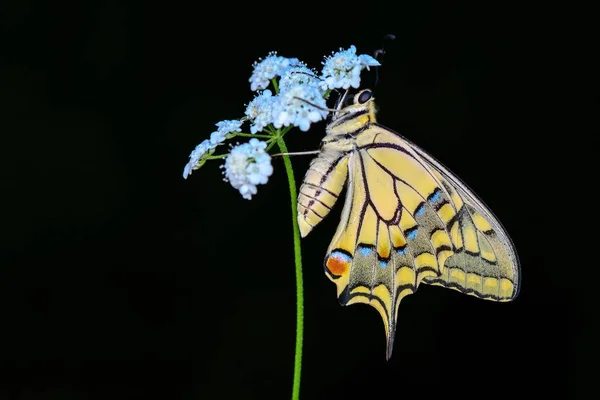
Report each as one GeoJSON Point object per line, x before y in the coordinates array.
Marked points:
{"type": "Point", "coordinates": [219, 157]}
{"type": "Point", "coordinates": [255, 135]}
{"type": "Point", "coordinates": [299, 284]}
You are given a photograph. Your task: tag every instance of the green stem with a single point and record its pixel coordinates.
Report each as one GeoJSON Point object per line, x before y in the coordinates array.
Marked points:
{"type": "Point", "coordinates": [298, 260]}
{"type": "Point", "coordinates": [270, 145]}
{"type": "Point", "coordinates": [252, 135]}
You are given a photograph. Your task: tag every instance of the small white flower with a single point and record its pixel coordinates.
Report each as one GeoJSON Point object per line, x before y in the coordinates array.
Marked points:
{"type": "Point", "coordinates": [291, 109]}
{"type": "Point", "coordinates": [342, 69]}
{"type": "Point", "coordinates": [260, 111]}
{"type": "Point", "coordinates": [217, 138]}
{"type": "Point", "coordinates": [229, 125]}
{"type": "Point", "coordinates": [298, 75]}
{"type": "Point", "coordinates": [248, 165]}
{"type": "Point", "coordinates": [267, 69]}
{"type": "Point", "coordinates": [223, 129]}
{"type": "Point", "coordinates": [195, 157]}
{"type": "Point", "coordinates": [367, 61]}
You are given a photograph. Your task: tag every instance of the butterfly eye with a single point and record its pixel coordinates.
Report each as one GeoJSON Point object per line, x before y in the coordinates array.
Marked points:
{"type": "Point", "coordinates": [349, 100]}
{"type": "Point", "coordinates": [364, 96]}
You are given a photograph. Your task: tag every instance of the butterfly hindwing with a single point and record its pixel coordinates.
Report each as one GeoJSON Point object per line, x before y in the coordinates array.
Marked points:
{"type": "Point", "coordinates": [363, 251]}
{"type": "Point", "coordinates": [390, 236]}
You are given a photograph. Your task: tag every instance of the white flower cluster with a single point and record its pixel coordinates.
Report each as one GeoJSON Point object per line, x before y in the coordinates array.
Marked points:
{"type": "Point", "coordinates": [248, 165]}
{"type": "Point", "coordinates": [342, 69]}
{"type": "Point", "coordinates": [207, 146]}
{"type": "Point", "coordinates": [267, 69]}
{"type": "Point", "coordinates": [260, 111]}
{"type": "Point", "coordinates": [298, 86]}
{"type": "Point", "coordinates": [300, 100]}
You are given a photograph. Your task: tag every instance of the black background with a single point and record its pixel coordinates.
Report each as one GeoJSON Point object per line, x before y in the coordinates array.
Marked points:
{"type": "Point", "coordinates": [120, 279]}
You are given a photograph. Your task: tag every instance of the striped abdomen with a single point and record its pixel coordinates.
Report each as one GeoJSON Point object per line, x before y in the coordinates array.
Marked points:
{"type": "Point", "coordinates": [322, 185]}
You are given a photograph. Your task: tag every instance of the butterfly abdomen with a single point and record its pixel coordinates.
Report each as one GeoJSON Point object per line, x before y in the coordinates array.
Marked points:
{"type": "Point", "coordinates": [320, 189]}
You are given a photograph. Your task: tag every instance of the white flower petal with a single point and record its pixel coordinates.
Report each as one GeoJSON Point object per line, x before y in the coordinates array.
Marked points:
{"type": "Point", "coordinates": [304, 125]}
{"type": "Point", "coordinates": [368, 61]}
{"type": "Point", "coordinates": [227, 126]}
{"type": "Point", "coordinates": [187, 171]}
{"type": "Point", "coordinates": [217, 138]}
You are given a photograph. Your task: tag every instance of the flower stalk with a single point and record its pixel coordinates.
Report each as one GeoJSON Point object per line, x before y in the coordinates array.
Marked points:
{"type": "Point", "coordinates": [298, 263]}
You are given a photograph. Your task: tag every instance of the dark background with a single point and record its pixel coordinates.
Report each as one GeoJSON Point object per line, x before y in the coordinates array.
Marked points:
{"type": "Point", "coordinates": [120, 279]}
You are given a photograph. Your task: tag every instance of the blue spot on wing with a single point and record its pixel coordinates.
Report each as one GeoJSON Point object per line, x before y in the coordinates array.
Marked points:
{"type": "Point", "coordinates": [365, 251]}
{"type": "Point", "coordinates": [383, 263]}
{"type": "Point", "coordinates": [435, 196]}
{"type": "Point", "coordinates": [420, 209]}
{"type": "Point", "coordinates": [412, 234]}
{"type": "Point", "coordinates": [401, 251]}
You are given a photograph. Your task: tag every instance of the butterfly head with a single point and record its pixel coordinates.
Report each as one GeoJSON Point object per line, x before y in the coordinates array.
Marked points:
{"type": "Point", "coordinates": [348, 103]}
{"type": "Point", "coordinates": [352, 113]}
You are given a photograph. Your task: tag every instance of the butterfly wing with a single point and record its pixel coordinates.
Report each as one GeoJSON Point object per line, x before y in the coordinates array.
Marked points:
{"type": "Point", "coordinates": [408, 220]}
{"type": "Point", "coordinates": [484, 262]}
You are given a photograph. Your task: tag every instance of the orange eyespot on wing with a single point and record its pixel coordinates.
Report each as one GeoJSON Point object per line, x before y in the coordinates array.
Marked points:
{"type": "Point", "coordinates": [337, 263]}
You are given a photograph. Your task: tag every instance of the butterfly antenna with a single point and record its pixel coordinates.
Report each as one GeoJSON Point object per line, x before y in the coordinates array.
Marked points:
{"type": "Point", "coordinates": [341, 99]}
{"type": "Point", "coordinates": [309, 74]}
{"type": "Point", "coordinates": [378, 54]}
{"type": "Point", "coordinates": [316, 106]}
{"type": "Point", "coordinates": [298, 153]}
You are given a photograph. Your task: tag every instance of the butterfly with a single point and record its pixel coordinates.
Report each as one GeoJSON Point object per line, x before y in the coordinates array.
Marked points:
{"type": "Point", "coordinates": [406, 219]}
